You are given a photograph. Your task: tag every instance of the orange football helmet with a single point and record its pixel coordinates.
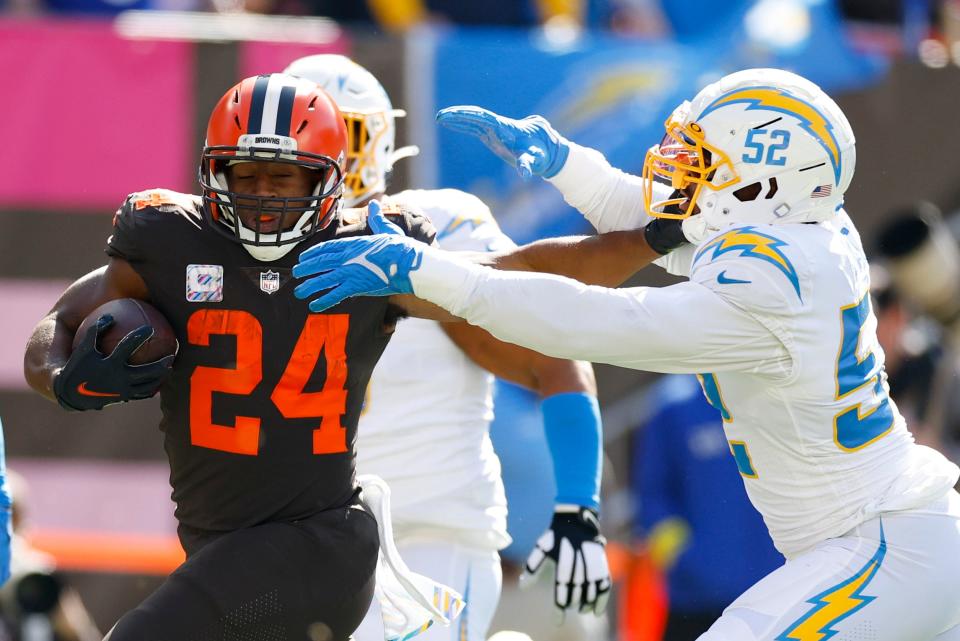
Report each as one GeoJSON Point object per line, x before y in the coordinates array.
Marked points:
{"type": "Point", "coordinates": [274, 118]}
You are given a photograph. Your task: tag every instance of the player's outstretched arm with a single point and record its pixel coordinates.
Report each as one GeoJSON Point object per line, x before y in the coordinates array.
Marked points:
{"type": "Point", "coordinates": [55, 370]}
{"type": "Point", "coordinates": [610, 199]}
{"type": "Point", "coordinates": [571, 418]}
{"type": "Point", "coordinates": [656, 329]}
{"type": "Point", "coordinates": [606, 259]}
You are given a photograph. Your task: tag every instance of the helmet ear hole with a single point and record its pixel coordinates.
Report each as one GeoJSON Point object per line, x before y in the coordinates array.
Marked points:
{"type": "Point", "coordinates": [748, 193]}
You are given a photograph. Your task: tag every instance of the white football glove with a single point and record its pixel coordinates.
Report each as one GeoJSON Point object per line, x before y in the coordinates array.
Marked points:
{"type": "Point", "coordinates": [574, 544]}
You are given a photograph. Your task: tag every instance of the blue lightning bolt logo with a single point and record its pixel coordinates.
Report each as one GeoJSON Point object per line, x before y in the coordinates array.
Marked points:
{"type": "Point", "coordinates": [774, 99]}
{"type": "Point", "coordinates": [836, 603]}
{"type": "Point", "coordinates": [753, 244]}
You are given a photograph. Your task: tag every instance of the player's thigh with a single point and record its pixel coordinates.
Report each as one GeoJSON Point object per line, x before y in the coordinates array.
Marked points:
{"type": "Point", "coordinates": [305, 580]}
{"type": "Point", "coordinates": [473, 572]}
{"type": "Point", "coordinates": [892, 579]}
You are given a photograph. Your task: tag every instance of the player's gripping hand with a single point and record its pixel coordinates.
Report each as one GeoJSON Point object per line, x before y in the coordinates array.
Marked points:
{"type": "Point", "coordinates": [574, 544]}
{"type": "Point", "coordinates": [91, 380]}
{"type": "Point", "coordinates": [377, 265]}
{"type": "Point", "coordinates": [530, 144]}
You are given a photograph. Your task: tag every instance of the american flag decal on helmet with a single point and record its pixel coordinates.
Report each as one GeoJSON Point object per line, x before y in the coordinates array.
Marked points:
{"type": "Point", "coordinates": [822, 191]}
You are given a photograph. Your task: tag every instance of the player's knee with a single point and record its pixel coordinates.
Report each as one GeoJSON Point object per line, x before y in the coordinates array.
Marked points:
{"type": "Point", "coordinates": [732, 626]}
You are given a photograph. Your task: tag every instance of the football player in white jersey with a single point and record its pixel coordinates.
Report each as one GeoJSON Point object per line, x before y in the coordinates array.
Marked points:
{"type": "Point", "coordinates": [776, 319]}
{"type": "Point", "coordinates": [425, 424]}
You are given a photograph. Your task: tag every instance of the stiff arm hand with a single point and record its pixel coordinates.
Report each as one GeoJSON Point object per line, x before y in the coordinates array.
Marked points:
{"type": "Point", "coordinates": [530, 144]}
{"type": "Point", "coordinates": [377, 265]}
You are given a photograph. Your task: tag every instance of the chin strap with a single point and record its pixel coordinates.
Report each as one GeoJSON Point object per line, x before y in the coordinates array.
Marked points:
{"type": "Point", "coordinates": [695, 229]}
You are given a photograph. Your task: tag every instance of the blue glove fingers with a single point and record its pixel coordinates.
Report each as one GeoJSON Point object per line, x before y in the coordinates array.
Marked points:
{"type": "Point", "coordinates": [328, 300]}
{"type": "Point", "coordinates": [322, 258]}
{"type": "Point", "coordinates": [378, 222]}
{"type": "Point", "coordinates": [497, 133]}
{"type": "Point", "coordinates": [470, 116]}
{"type": "Point", "coordinates": [325, 249]}
{"type": "Point", "coordinates": [317, 284]}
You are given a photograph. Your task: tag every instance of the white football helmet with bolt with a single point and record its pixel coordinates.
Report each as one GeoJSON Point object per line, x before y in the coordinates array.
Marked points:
{"type": "Point", "coordinates": [760, 146]}
{"type": "Point", "coordinates": [370, 119]}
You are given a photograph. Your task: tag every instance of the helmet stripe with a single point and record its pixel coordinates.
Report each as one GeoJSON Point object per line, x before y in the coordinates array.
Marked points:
{"type": "Point", "coordinates": [271, 101]}
{"type": "Point", "coordinates": [256, 104]}
{"type": "Point", "coordinates": [271, 108]}
{"type": "Point", "coordinates": [285, 110]}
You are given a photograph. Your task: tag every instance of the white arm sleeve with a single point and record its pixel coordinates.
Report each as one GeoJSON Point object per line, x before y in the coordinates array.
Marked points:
{"type": "Point", "coordinates": [683, 328]}
{"type": "Point", "coordinates": [612, 200]}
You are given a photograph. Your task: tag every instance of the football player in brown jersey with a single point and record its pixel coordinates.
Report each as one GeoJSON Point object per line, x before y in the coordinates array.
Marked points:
{"type": "Point", "coordinates": [261, 404]}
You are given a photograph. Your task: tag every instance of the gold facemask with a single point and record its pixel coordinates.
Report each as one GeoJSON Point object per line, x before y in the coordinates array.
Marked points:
{"type": "Point", "coordinates": [364, 131]}
{"type": "Point", "coordinates": [686, 163]}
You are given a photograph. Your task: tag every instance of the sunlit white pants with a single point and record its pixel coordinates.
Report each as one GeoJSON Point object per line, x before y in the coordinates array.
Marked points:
{"type": "Point", "coordinates": [473, 572]}
{"type": "Point", "coordinates": [893, 578]}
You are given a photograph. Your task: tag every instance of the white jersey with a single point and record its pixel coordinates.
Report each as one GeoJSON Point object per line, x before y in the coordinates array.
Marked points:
{"type": "Point", "coordinates": [425, 423]}
{"type": "Point", "coordinates": [777, 322]}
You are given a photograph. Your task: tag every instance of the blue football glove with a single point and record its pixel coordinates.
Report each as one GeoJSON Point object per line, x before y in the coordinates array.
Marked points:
{"type": "Point", "coordinates": [6, 505]}
{"type": "Point", "coordinates": [377, 265]}
{"type": "Point", "coordinates": [530, 144]}
{"type": "Point", "coordinates": [91, 380]}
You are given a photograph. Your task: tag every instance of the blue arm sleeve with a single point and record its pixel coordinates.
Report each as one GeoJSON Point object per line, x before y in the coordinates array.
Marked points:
{"type": "Point", "coordinates": [571, 422]}
{"type": "Point", "coordinates": [5, 506]}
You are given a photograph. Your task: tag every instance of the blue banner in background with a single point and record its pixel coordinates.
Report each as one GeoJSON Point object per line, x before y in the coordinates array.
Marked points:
{"type": "Point", "coordinates": [613, 93]}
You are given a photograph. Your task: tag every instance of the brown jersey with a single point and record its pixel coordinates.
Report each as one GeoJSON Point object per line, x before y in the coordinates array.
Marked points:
{"type": "Point", "coordinates": [260, 413]}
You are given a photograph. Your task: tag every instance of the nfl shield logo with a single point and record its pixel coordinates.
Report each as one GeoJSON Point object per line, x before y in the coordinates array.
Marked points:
{"type": "Point", "coordinates": [269, 281]}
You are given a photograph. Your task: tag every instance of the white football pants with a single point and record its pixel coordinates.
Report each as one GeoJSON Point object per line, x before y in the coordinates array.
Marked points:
{"type": "Point", "coordinates": [473, 572]}
{"type": "Point", "coordinates": [893, 578]}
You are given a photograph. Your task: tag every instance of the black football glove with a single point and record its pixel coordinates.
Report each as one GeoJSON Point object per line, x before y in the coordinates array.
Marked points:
{"type": "Point", "coordinates": [575, 546]}
{"type": "Point", "coordinates": [663, 235]}
{"type": "Point", "coordinates": [91, 380]}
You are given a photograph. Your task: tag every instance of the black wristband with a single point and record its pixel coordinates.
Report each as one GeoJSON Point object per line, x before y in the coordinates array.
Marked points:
{"type": "Point", "coordinates": [663, 235]}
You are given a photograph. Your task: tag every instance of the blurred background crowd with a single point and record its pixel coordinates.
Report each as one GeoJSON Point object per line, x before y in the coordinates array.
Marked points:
{"type": "Point", "coordinates": [105, 97]}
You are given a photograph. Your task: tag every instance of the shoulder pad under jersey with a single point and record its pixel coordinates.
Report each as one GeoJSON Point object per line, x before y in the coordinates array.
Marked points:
{"type": "Point", "coordinates": [463, 221]}
{"type": "Point", "coordinates": [162, 201]}
{"type": "Point", "coordinates": [754, 266]}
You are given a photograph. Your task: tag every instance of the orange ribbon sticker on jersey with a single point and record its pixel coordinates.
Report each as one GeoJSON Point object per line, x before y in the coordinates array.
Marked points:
{"type": "Point", "coordinates": [153, 198]}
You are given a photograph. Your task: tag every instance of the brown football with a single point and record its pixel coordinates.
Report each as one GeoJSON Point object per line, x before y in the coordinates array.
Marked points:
{"type": "Point", "coordinates": [129, 314]}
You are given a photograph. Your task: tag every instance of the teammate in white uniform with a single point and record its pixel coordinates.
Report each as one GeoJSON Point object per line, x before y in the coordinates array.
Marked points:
{"type": "Point", "coordinates": [425, 426]}
{"type": "Point", "coordinates": [776, 319]}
